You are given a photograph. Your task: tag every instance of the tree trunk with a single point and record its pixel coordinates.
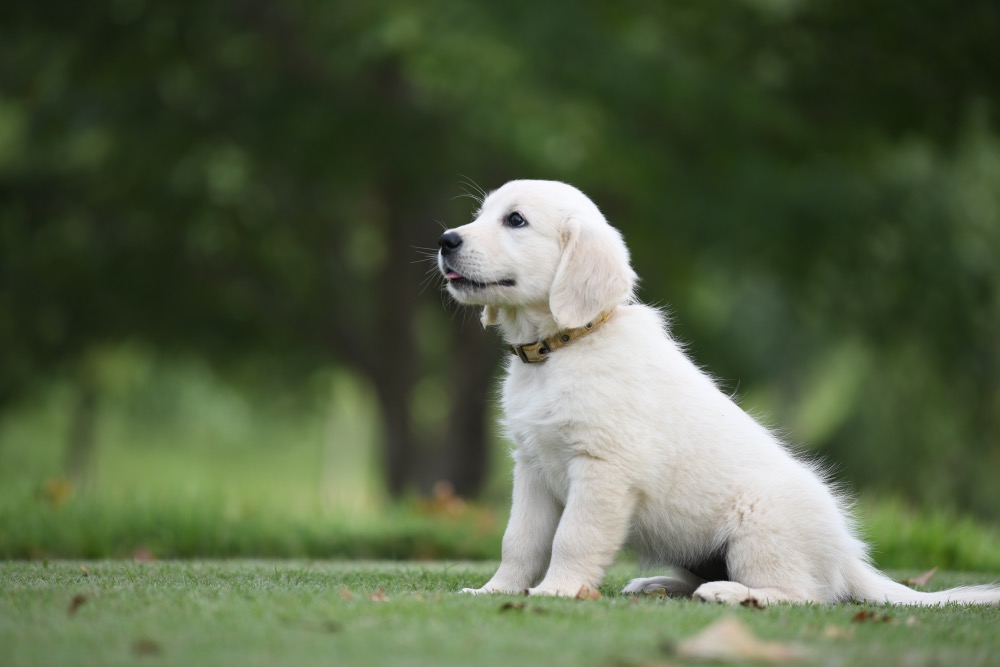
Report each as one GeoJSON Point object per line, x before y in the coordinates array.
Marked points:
{"type": "Point", "coordinates": [395, 357]}
{"type": "Point", "coordinates": [398, 446]}
{"type": "Point", "coordinates": [474, 362]}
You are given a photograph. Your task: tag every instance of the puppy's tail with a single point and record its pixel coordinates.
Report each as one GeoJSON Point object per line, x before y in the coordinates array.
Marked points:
{"type": "Point", "coordinates": [869, 585]}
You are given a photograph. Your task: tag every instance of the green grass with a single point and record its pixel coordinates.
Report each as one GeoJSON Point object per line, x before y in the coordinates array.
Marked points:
{"type": "Point", "coordinates": [187, 469]}
{"type": "Point", "coordinates": [32, 527]}
{"type": "Point", "coordinates": [247, 613]}
{"type": "Point", "coordinates": [93, 529]}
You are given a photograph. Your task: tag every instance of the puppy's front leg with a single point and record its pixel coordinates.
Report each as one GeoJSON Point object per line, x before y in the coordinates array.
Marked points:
{"type": "Point", "coordinates": [593, 528]}
{"type": "Point", "coordinates": [527, 542]}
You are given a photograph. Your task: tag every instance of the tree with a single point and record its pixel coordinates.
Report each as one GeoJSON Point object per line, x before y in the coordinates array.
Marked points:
{"type": "Point", "coordinates": [251, 181]}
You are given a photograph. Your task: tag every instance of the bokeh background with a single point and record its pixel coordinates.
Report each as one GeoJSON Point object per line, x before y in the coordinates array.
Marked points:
{"type": "Point", "coordinates": [220, 330]}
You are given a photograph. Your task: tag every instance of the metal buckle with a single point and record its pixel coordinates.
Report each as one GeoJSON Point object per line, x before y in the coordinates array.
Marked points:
{"type": "Point", "coordinates": [538, 357]}
{"type": "Point", "coordinates": [519, 351]}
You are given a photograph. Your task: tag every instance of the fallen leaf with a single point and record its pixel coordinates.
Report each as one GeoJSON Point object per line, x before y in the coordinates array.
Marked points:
{"type": "Point", "coordinates": [731, 640]}
{"type": "Point", "coordinates": [345, 595]}
{"type": "Point", "coordinates": [146, 647]}
{"type": "Point", "coordinates": [588, 594]}
{"type": "Point", "coordinates": [379, 596]}
{"type": "Point", "coordinates": [512, 606]}
{"type": "Point", "coordinates": [866, 616]}
{"type": "Point", "coordinates": [921, 579]}
{"type": "Point", "coordinates": [86, 572]}
{"type": "Point", "coordinates": [75, 604]}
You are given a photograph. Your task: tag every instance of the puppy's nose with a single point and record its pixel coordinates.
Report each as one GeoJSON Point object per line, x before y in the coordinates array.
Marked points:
{"type": "Point", "coordinates": [449, 242]}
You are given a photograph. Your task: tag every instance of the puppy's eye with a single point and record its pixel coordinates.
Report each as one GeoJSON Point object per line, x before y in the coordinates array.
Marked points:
{"type": "Point", "coordinates": [515, 219]}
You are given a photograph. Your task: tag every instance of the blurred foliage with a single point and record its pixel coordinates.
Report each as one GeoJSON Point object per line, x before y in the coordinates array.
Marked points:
{"type": "Point", "coordinates": [811, 186]}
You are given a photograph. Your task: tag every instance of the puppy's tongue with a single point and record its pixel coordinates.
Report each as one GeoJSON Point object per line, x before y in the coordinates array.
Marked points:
{"type": "Point", "coordinates": [452, 275]}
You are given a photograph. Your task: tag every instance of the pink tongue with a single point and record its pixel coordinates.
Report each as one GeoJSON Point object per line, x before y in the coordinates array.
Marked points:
{"type": "Point", "coordinates": [451, 275]}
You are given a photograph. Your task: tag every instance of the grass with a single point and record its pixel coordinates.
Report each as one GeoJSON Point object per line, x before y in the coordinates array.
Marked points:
{"type": "Point", "coordinates": [188, 469]}
{"type": "Point", "coordinates": [33, 527]}
{"type": "Point", "coordinates": [247, 613]}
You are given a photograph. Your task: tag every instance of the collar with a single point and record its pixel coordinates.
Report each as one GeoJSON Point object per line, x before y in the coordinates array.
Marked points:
{"type": "Point", "coordinates": [537, 352]}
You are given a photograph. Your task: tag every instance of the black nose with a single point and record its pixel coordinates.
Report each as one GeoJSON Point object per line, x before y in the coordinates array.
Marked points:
{"type": "Point", "coordinates": [449, 242]}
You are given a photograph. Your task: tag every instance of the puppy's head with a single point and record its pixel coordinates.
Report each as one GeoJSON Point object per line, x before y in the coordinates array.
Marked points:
{"type": "Point", "coordinates": [540, 245]}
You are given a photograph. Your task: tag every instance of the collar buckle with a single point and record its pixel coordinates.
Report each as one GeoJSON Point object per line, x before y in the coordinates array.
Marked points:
{"type": "Point", "coordinates": [531, 353]}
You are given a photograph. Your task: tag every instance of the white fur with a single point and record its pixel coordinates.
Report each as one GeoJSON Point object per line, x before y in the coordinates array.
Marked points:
{"type": "Point", "coordinates": [621, 439]}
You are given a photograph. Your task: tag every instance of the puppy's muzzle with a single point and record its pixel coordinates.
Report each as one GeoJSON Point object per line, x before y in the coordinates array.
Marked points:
{"type": "Point", "coordinates": [449, 243]}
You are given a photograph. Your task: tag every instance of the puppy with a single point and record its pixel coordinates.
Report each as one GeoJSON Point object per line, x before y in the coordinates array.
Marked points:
{"type": "Point", "coordinates": [621, 439]}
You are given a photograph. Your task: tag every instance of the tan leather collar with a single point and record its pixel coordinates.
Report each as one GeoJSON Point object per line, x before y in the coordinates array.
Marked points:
{"type": "Point", "coordinates": [537, 352]}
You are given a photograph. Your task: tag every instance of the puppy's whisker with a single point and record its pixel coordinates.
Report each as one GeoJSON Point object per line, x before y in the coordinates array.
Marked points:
{"type": "Point", "coordinates": [468, 195]}
{"type": "Point", "coordinates": [477, 194]}
{"type": "Point", "coordinates": [428, 280]}
{"type": "Point", "coordinates": [468, 181]}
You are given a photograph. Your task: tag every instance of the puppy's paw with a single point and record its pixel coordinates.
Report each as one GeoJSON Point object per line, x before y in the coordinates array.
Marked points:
{"type": "Point", "coordinates": [556, 591]}
{"type": "Point", "coordinates": [489, 589]}
{"type": "Point", "coordinates": [729, 592]}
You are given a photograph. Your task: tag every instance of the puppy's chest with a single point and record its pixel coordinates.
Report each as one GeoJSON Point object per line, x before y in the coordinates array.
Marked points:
{"type": "Point", "coordinates": [548, 426]}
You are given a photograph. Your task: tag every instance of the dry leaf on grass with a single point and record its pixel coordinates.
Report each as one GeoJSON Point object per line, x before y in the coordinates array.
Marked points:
{"type": "Point", "coordinates": [921, 579]}
{"type": "Point", "coordinates": [86, 572]}
{"type": "Point", "coordinates": [588, 594]}
{"type": "Point", "coordinates": [345, 595]}
{"type": "Point", "coordinates": [379, 596]}
{"type": "Point", "coordinates": [731, 640]}
{"type": "Point", "coordinates": [522, 606]}
{"type": "Point", "coordinates": [867, 616]}
{"type": "Point", "coordinates": [75, 604]}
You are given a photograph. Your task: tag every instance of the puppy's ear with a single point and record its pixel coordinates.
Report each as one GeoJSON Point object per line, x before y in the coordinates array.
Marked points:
{"type": "Point", "coordinates": [594, 273]}
{"type": "Point", "coordinates": [489, 316]}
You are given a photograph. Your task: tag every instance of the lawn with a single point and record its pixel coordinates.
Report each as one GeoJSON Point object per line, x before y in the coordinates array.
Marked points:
{"type": "Point", "coordinates": [247, 613]}
{"type": "Point", "coordinates": [145, 561]}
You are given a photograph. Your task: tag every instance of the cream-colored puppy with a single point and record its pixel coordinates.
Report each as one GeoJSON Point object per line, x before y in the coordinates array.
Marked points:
{"type": "Point", "coordinates": [621, 439]}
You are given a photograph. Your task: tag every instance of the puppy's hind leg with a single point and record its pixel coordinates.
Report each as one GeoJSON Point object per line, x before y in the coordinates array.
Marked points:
{"type": "Point", "coordinates": [775, 556]}
{"type": "Point", "coordinates": [731, 592]}
{"type": "Point", "coordinates": [762, 573]}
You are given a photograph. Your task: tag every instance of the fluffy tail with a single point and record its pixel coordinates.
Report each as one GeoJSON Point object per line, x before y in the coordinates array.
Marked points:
{"type": "Point", "coordinates": [869, 585]}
